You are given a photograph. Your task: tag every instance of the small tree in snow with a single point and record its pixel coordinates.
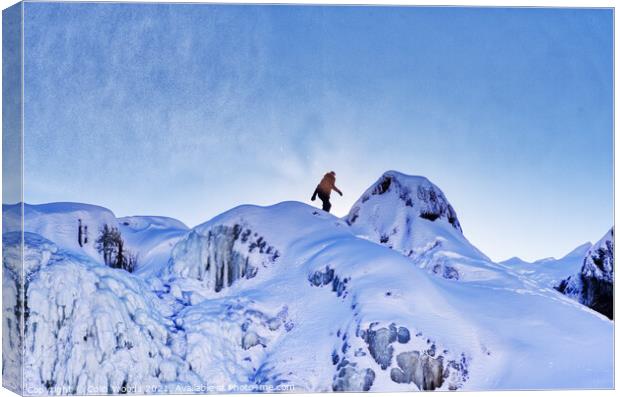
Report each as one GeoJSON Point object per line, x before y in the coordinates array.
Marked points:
{"type": "Point", "coordinates": [111, 245]}
{"type": "Point", "coordinates": [80, 242]}
{"type": "Point", "coordinates": [132, 261]}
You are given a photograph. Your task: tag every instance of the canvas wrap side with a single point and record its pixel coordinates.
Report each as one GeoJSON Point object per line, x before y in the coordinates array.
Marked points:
{"type": "Point", "coordinates": [12, 193]}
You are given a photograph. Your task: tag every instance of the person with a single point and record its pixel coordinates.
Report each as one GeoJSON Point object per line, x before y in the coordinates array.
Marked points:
{"type": "Point", "coordinates": [324, 190]}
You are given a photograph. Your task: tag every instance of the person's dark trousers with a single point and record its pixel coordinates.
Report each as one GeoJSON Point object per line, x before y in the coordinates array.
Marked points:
{"type": "Point", "coordinates": [325, 199]}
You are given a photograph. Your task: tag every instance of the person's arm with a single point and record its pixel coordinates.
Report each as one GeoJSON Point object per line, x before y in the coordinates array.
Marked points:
{"type": "Point", "coordinates": [338, 190]}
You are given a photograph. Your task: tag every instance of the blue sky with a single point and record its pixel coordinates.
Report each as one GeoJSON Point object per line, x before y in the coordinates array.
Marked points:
{"type": "Point", "coordinates": [189, 110]}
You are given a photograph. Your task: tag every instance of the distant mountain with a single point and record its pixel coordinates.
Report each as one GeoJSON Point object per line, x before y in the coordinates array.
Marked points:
{"type": "Point", "coordinates": [550, 271]}
{"type": "Point", "coordinates": [288, 297]}
{"type": "Point", "coordinates": [593, 285]}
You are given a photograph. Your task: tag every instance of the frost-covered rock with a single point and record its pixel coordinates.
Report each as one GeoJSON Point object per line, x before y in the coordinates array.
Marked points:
{"type": "Point", "coordinates": [229, 341]}
{"type": "Point", "coordinates": [219, 255]}
{"type": "Point", "coordinates": [425, 371]}
{"type": "Point", "coordinates": [252, 339]}
{"type": "Point", "coordinates": [380, 344]}
{"type": "Point", "coordinates": [403, 335]}
{"type": "Point", "coordinates": [594, 284]}
{"type": "Point", "coordinates": [350, 378]}
{"type": "Point", "coordinates": [19, 261]}
{"type": "Point", "coordinates": [88, 329]}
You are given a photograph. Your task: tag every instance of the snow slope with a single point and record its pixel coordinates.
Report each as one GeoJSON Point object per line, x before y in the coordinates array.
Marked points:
{"type": "Point", "coordinates": [152, 238]}
{"type": "Point", "coordinates": [492, 333]}
{"type": "Point", "coordinates": [289, 297]}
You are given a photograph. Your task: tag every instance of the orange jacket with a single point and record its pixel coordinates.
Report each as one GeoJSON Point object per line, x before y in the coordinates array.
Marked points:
{"type": "Point", "coordinates": [328, 183]}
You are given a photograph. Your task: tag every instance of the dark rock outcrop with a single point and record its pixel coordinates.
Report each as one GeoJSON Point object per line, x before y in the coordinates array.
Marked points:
{"type": "Point", "coordinates": [379, 343]}
{"type": "Point", "coordinates": [594, 284]}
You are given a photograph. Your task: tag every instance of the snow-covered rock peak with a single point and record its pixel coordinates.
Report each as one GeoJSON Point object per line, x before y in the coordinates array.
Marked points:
{"type": "Point", "coordinates": [411, 215]}
{"type": "Point", "coordinates": [416, 192]}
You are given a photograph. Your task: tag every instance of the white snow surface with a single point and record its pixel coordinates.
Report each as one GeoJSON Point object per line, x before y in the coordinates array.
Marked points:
{"type": "Point", "coordinates": [289, 296]}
